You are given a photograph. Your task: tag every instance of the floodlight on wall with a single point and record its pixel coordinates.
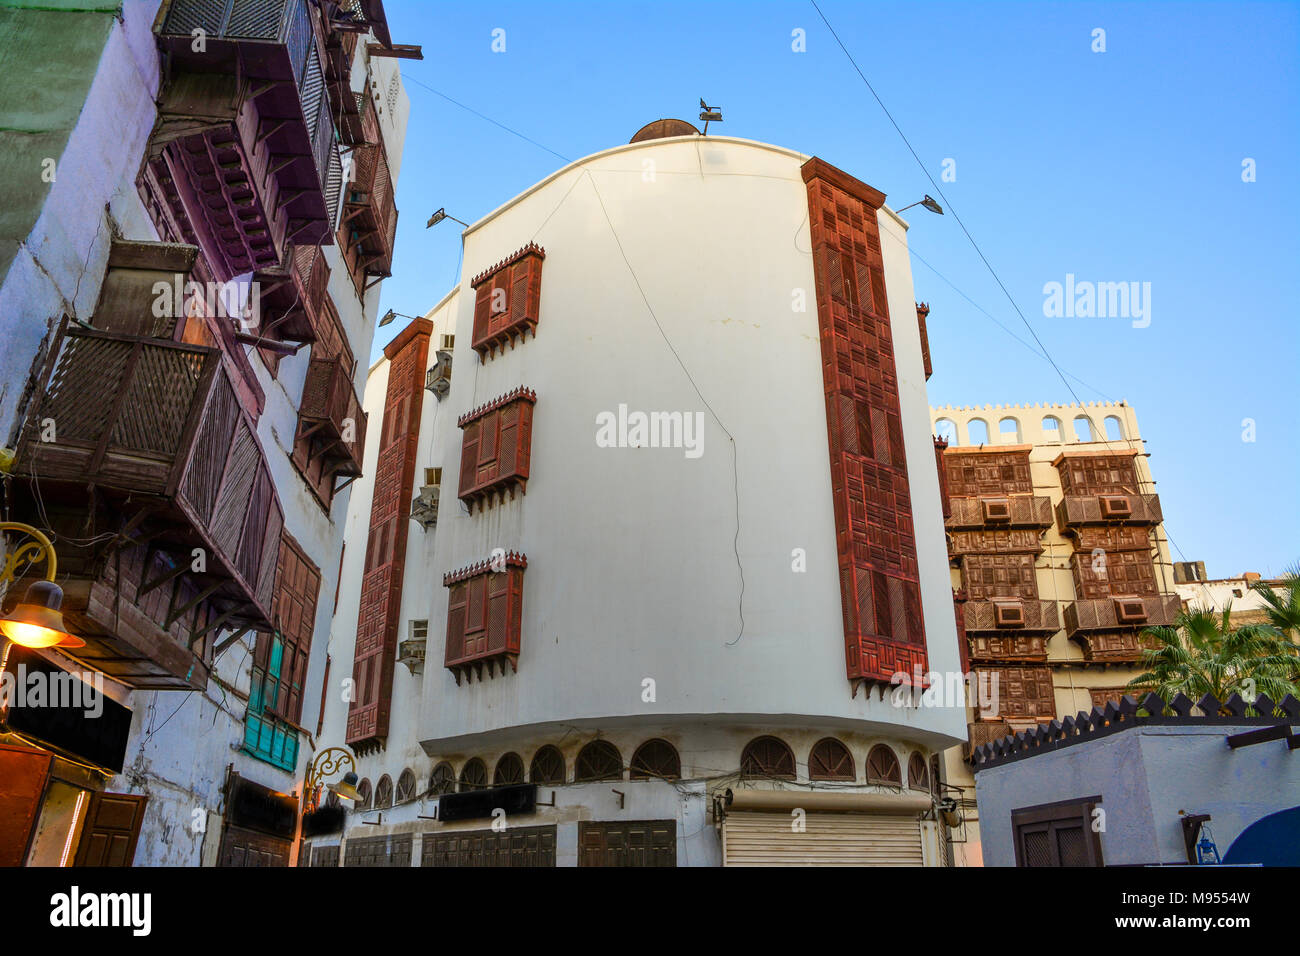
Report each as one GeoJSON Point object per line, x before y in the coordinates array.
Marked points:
{"type": "Point", "coordinates": [439, 216]}
{"type": "Point", "coordinates": [928, 203]}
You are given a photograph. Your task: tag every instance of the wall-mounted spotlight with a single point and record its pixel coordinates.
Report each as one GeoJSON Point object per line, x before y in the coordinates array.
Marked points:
{"type": "Point", "coordinates": [709, 114]}
{"type": "Point", "coordinates": [439, 216]}
{"type": "Point", "coordinates": [928, 203]}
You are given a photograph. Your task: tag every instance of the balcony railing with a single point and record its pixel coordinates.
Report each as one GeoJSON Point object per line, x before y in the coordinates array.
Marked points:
{"type": "Point", "coordinates": [1013, 511]}
{"type": "Point", "coordinates": [331, 419]}
{"type": "Point", "coordinates": [1075, 510]}
{"type": "Point", "coordinates": [1113, 646]}
{"type": "Point", "coordinates": [293, 298]}
{"type": "Point", "coordinates": [1038, 616]}
{"type": "Point", "coordinates": [1104, 614]}
{"type": "Point", "coordinates": [247, 129]}
{"type": "Point", "coordinates": [155, 430]}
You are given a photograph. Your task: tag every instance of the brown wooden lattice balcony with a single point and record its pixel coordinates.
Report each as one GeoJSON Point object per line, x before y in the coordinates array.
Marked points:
{"type": "Point", "coordinates": [292, 297]}
{"type": "Point", "coordinates": [141, 446]}
{"type": "Point", "coordinates": [369, 223]}
{"type": "Point", "coordinates": [991, 512]}
{"type": "Point", "coordinates": [995, 647]}
{"type": "Point", "coordinates": [484, 617]}
{"type": "Point", "coordinates": [330, 418]}
{"type": "Point", "coordinates": [1118, 509]}
{"type": "Point", "coordinates": [1114, 613]}
{"type": "Point", "coordinates": [245, 129]}
{"type": "Point", "coordinates": [994, 615]}
{"type": "Point", "coordinates": [1113, 646]}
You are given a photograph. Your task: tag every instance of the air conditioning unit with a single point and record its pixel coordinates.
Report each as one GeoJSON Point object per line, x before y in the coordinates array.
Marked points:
{"type": "Point", "coordinates": [1116, 506]}
{"type": "Point", "coordinates": [424, 508]}
{"type": "Point", "coordinates": [438, 378]}
{"type": "Point", "coordinates": [996, 509]}
{"type": "Point", "coordinates": [411, 653]}
{"type": "Point", "coordinates": [1008, 614]}
{"type": "Point", "coordinates": [1130, 610]}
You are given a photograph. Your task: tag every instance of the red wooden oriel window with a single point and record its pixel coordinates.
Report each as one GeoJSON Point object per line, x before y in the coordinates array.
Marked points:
{"type": "Point", "coordinates": [495, 447]}
{"type": "Point", "coordinates": [506, 300]}
{"type": "Point", "coordinates": [484, 611]}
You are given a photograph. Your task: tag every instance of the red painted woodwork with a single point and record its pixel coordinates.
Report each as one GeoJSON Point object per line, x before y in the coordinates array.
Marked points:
{"type": "Point", "coordinates": [296, 594]}
{"type": "Point", "coordinates": [484, 616]}
{"type": "Point", "coordinates": [939, 446]}
{"type": "Point", "coordinates": [880, 595]}
{"type": "Point", "coordinates": [507, 300]}
{"type": "Point", "coordinates": [922, 313]}
{"type": "Point", "coordinates": [1100, 474]}
{"type": "Point", "coordinates": [368, 230]}
{"type": "Point", "coordinates": [496, 448]}
{"type": "Point", "coordinates": [23, 774]}
{"type": "Point", "coordinates": [381, 584]}
{"type": "Point", "coordinates": [975, 473]}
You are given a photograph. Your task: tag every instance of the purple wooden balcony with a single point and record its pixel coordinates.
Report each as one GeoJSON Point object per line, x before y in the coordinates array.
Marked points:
{"type": "Point", "coordinates": [246, 129]}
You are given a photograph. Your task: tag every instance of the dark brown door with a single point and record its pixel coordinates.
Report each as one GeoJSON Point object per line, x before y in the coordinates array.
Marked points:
{"type": "Point", "coordinates": [242, 847]}
{"type": "Point", "coordinates": [23, 774]}
{"type": "Point", "coordinates": [111, 830]}
{"type": "Point", "coordinates": [1057, 834]}
{"type": "Point", "coordinates": [636, 843]}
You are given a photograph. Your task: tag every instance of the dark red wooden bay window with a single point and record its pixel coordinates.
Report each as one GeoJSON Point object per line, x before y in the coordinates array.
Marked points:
{"type": "Point", "coordinates": [484, 610]}
{"type": "Point", "coordinates": [494, 454]}
{"type": "Point", "coordinates": [506, 301]}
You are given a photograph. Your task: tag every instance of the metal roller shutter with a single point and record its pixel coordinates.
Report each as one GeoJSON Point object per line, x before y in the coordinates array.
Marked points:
{"type": "Point", "coordinates": [752, 838]}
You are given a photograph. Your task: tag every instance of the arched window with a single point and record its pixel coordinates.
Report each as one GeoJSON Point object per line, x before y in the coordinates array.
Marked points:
{"type": "Point", "coordinates": [473, 776]}
{"type": "Point", "coordinates": [363, 794]}
{"type": "Point", "coordinates": [1009, 430]}
{"type": "Point", "coordinates": [1114, 428]}
{"type": "Point", "coordinates": [599, 760]}
{"type": "Point", "coordinates": [830, 760]}
{"type": "Point", "coordinates": [656, 760]}
{"type": "Point", "coordinates": [547, 766]}
{"type": "Point", "coordinates": [1051, 428]}
{"type": "Point", "coordinates": [918, 778]}
{"type": "Point", "coordinates": [882, 767]}
{"type": "Point", "coordinates": [442, 780]}
{"type": "Point", "coordinates": [767, 757]}
{"type": "Point", "coordinates": [977, 431]}
{"type": "Point", "coordinates": [1082, 428]}
{"type": "Point", "coordinates": [946, 429]}
{"type": "Point", "coordinates": [406, 786]}
{"type": "Point", "coordinates": [384, 793]}
{"type": "Point", "coordinates": [510, 769]}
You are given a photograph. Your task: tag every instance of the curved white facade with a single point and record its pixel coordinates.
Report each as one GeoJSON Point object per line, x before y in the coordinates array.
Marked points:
{"type": "Point", "coordinates": [632, 598]}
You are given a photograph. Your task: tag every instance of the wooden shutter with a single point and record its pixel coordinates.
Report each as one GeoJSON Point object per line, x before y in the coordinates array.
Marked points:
{"type": "Point", "coordinates": [639, 843]}
{"type": "Point", "coordinates": [295, 615]}
{"type": "Point", "coordinates": [457, 615]}
{"type": "Point", "coordinates": [484, 615]}
{"type": "Point", "coordinates": [111, 829]}
{"type": "Point", "coordinates": [469, 457]}
{"type": "Point", "coordinates": [883, 623]}
{"type": "Point", "coordinates": [23, 775]}
{"type": "Point", "coordinates": [495, 447]}
{"type": "Point", "coordinates": [1057, 834]}
{"type": "Point", "coordinates": [381, 586]}
{"type": "Point", "coordinates": [517, 279]}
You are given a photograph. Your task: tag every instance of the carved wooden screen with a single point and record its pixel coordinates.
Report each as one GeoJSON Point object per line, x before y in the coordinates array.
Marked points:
{"type": "Point", "coordinates": [879, 585]}
{"type": "Point", "coordinates": [988, 576]}
{"type": "Point", "coordinates": [767, 757]}
{"type": "Point", "coordinates": [507, 300]}
{"type": "Point", "coordinates": [599, 760]}
{"type": "Point", "coordinates": [1108, 573]}
{"type": "Point", "coordinates": [882, 766]}
{"type": "Point", "coordinates": [830, 760]}
{"type": "Point", "coordinates": [989, 473]}
{"type": "Point", "coordinates": [510, 769]}
{"type": "Point", "coordinates": [381, 584]}
{"type": "Point", "coordinates": [1098, 475]}
{"type": "Point", "coordinates": [656, 760]}
{"type": "Point", "coordinates": [547, 766]}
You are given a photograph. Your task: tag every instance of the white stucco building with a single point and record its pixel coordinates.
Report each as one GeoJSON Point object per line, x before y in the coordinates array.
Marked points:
{"type": "Point", "coordinates": [644, 602]}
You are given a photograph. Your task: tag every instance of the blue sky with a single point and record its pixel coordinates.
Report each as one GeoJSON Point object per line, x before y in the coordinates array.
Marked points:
{"type": "Point", "coordinates": [1117, 166]}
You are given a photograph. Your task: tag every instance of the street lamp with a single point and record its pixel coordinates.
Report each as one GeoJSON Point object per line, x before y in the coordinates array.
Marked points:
{"type": "Point", "coordinates": [326, 763]}
{"type": "Point", "coordinates": [439, 216]}
{"type": "Point", "coordinates": [390, 315]}
{"type": "Point", "coordinates": [928, 203]}
{"type": "Point", "coordinates": [38, 621]}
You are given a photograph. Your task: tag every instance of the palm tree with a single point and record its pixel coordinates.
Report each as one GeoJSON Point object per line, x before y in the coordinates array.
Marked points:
{"type": "Point", "coordinates": [1202, 653]}
{"type": "Point", "coordinates": [1283, 609]}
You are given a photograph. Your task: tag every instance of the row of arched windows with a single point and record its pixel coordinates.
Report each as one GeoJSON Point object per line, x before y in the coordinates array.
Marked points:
{"type": "Point", "coordinates": [1009, 431]}
{"type": "Point", "coordinates": [656, 759]}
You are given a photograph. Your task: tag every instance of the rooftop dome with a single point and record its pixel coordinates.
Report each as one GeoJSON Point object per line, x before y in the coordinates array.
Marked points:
{"type": "Point", "coordinates": [662, 128]}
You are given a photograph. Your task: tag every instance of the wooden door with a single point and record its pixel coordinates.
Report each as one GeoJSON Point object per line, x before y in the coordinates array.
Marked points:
{"type": "Point", "coordinates": [111, 830]}
{"type": "Point", "coordinates": [23, 775]}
